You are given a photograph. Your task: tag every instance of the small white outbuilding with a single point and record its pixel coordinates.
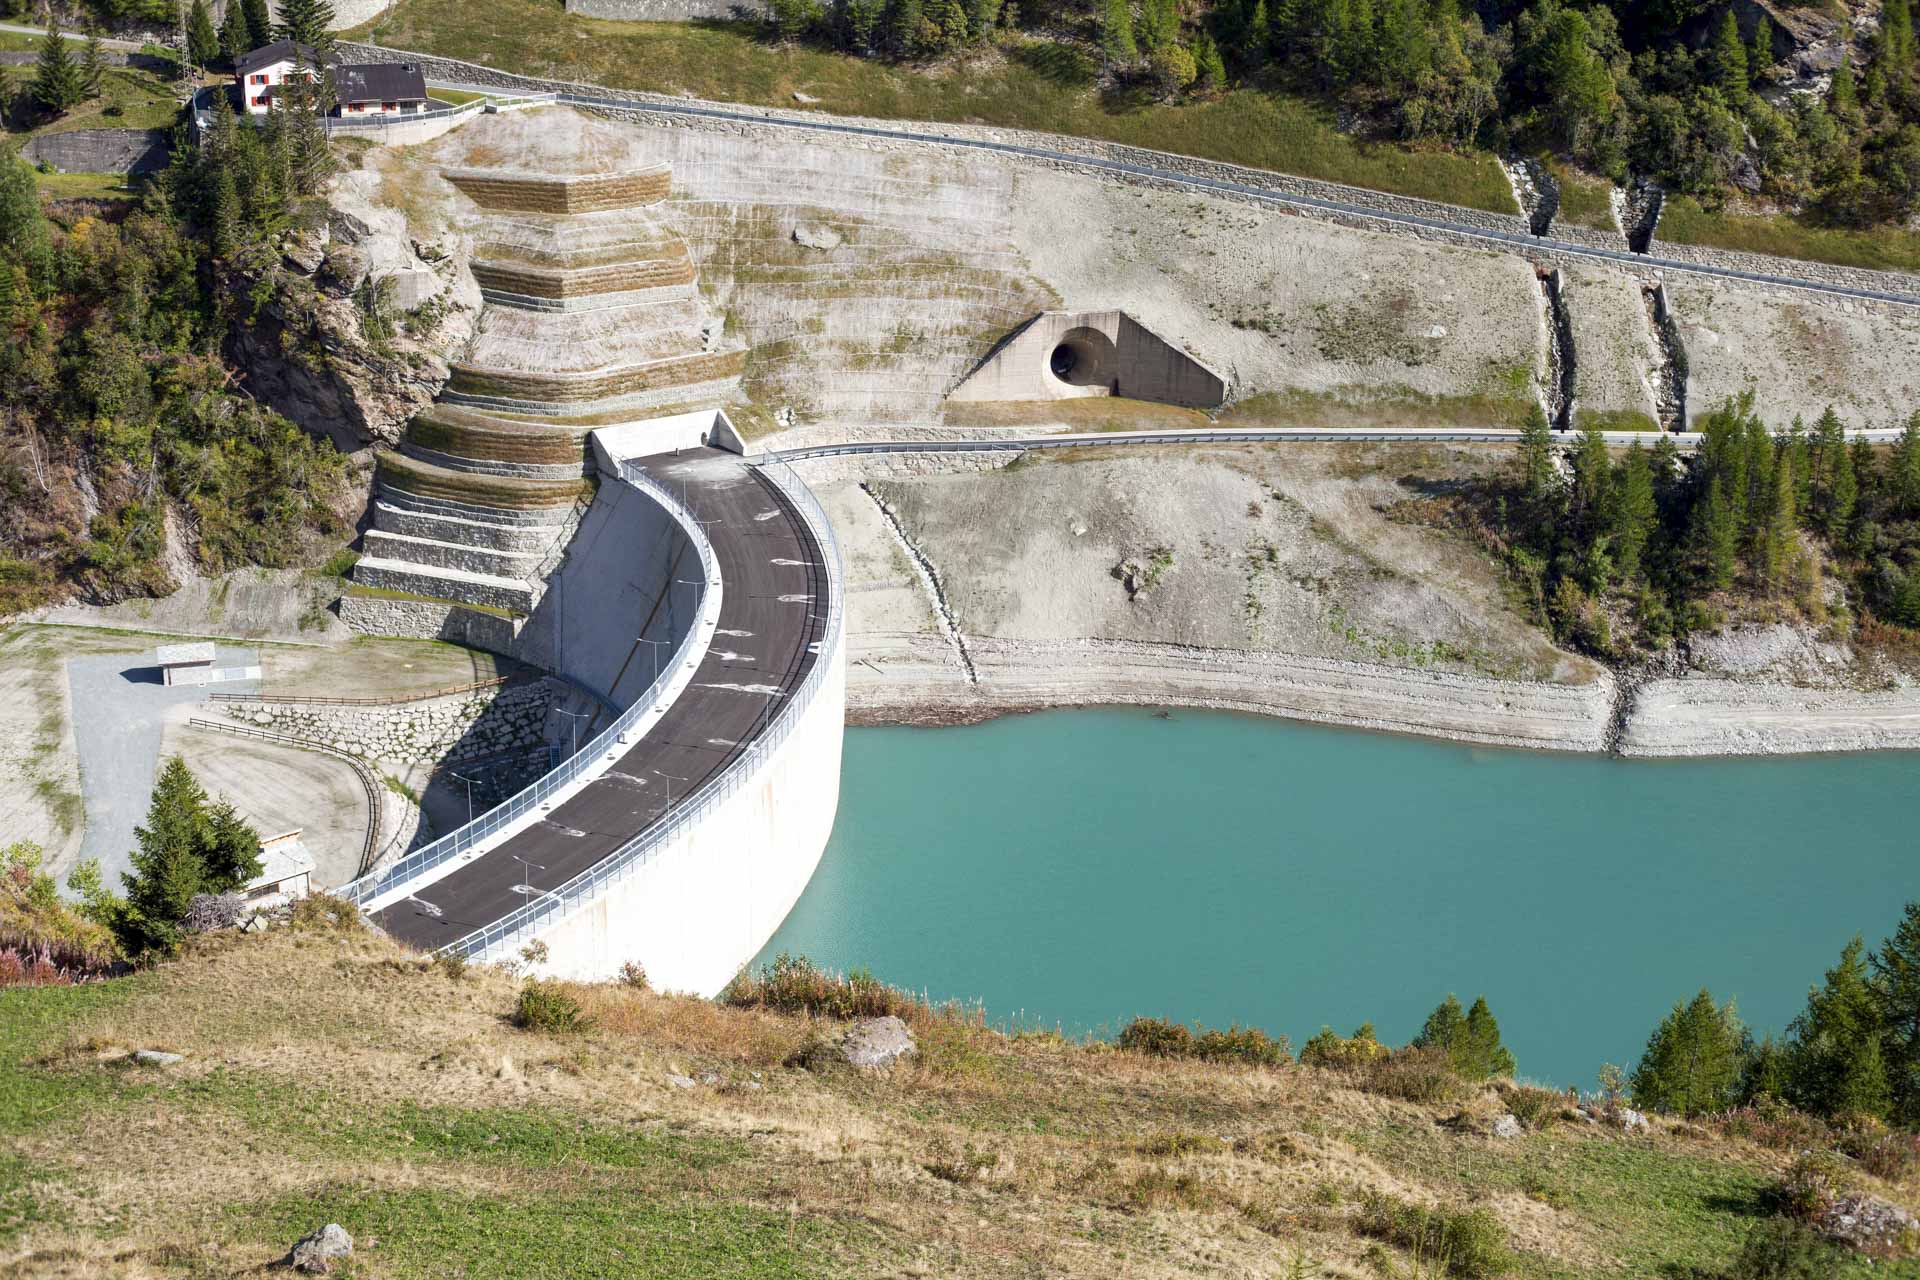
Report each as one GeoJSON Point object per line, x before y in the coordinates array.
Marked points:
{"type": "Point", "coordinates": [185, 663]}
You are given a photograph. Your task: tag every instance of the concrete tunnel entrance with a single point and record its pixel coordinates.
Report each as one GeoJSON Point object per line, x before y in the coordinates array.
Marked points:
{"type": "Point", "coordinates": [1085, 358]}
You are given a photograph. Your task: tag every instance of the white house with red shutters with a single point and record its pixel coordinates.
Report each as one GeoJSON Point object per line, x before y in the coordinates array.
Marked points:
{"type": "Point", "coordinates": [360, 89]}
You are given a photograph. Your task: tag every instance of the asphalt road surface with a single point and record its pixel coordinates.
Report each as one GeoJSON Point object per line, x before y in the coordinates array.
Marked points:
{"type": "Point", "coordinates": [772, 614]}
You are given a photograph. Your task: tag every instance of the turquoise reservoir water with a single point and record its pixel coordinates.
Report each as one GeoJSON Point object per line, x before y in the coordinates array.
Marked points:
{"type": "Point", "coordinates": [1082, 867]}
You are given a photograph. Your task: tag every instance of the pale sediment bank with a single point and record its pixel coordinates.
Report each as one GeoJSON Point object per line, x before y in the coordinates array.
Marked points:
{"type": "Point", "coordinates": [898, 681]}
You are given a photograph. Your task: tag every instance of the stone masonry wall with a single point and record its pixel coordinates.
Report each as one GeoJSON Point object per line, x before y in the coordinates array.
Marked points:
{"type": "Point", "coordinates": [101, 150]}
{"type": "Point", "coordinates": [1282, 185]}
{"type": "Point", "coordinates": [464, 727]}
{"type": "Point", "coordinates": [668, 10]}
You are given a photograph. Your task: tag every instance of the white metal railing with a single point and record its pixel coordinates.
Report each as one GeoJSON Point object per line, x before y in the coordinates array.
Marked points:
{"type": "Point", "coordinates": [766, 738]}
{"type": "Point", "coordinates": [462, 840]}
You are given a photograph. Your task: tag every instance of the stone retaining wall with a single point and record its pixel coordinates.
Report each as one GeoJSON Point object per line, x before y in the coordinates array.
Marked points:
{"type": "Point", "coordinates": [397, 471]}
{"type": "Point", "coordinates": [483, 466]}
{"type": "Point", "coordinates": [439, 429]}
{"type": "Point", "coordinates": [1282, 185]}
{"type": "Point", "coordinates": [451, 729]}
{"type": "Point", "coordinates": [537, 539]}
{"type": "Point", "coordinates": [562, 388]}
{"type": "Point", "coordinates": [673, 267]}
{"type": "Point", "coordinates": [561, 195]}
{"type": "Point", "coordinates": [130, 151]}
{"type": "Point", "coordinates": [669, 10]}
{"type": "Point", "coordinates": [384, 544]}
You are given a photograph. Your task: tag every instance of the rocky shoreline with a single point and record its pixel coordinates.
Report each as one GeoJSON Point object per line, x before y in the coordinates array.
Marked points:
{"type": "Point", "coordinates": [1690, 715]}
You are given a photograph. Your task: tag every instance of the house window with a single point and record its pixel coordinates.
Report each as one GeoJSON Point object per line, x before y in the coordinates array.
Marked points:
{"type": "Point", "coordinates": [259, 79]}
{"type": "Point", "coordinates": [260, 101]}
{"type": "Point", "coordinates": [356, 106]}
{"type": "Point", "coordinates": [389, 106]}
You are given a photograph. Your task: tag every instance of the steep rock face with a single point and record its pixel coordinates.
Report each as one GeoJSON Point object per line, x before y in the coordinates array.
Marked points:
{"type": "Point", "coordinates": [353, 332]}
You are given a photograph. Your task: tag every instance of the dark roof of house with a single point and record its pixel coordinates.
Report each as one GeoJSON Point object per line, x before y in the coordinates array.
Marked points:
{"type": "Point", "coordinates": [279, 51]}
{"type": "Point", "coordinates": [378, 82]}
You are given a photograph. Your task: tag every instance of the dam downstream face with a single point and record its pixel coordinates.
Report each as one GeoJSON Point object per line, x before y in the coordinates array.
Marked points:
{"type": "Point", "coordinates": [1084, 867]}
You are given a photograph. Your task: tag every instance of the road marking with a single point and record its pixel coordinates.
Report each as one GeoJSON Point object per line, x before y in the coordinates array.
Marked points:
{"type": "Point", "coordinates": [565, 831]}
{"type": "Point", "coordinates": [728, 655]}
{"type": "Point", "coordinates": [796, 599]}
{"type": "Point", "coordinates": [765, 516]}
{"type": "Point", "coordinates": [769, 690]}
{"type": "Point", "coordinates": [722, 631]}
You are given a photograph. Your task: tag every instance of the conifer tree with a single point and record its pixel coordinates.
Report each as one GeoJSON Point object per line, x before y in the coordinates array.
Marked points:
{"type": "Point", "coordinates": [1896, 41]}
{"type": "Point", "coordinates": [1693, 1060]}
{"type": "Point", "coordinates": [167, 868]}
{"type": "Point", "coordinates": [1727, 57]}
{"type": "Point", "coordinates": [307, 22]}
{"type": "Point", "coordinates": [1764, 1073]}
{"type": "Point", "coordinates": [1778, 534]}
{"type": "Point", "coordinates": [1834, 1063]}
{"type": "Point", "coordinates": [1716, 537]}
{"type": "Point", "coordinates": [1634, 513]}
{"type": "Point", "coordinates": [223, 214]}
{"type": "Point", "coordinates": [260, 29]}
{"type": "Point", "coordinates": [1471, 1040]}
{"type": "Point", "coordinates": [1116, 33]}
{"type": "Point", "coordinates": [903, 27]}
{"type": "Point", "coordinates": [93, 65]}
{"type": "Point", "coordinates": [1896, 986]}
{"type": "Point", "coordinates": [1843, 97]}
{"type": "Point", "coordinates": [1843, 497]}
{"type": "Point", "coordinates": [236, 38]}
{"type": "Point", "coordinates": [1260, 39]}
{"type": "Point", "coordinates": [1536, 457]}
{"type": "Point", "coordinates": [231, 855]}
{"type": "Point", "coordinates": [56, 80]}
{"type": "Point", "coordinates": [1903, 479]}
{"type": "Point", "coordinates": [203, 42]}
{"type": "Point", "coordinates": [1209, 66]}
{"type": "Point", "coordinates": [1159, 25]}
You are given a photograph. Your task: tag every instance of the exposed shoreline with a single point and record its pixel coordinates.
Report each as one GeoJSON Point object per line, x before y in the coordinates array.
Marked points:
{"type": "Point", "coordinates": [1692, 716]}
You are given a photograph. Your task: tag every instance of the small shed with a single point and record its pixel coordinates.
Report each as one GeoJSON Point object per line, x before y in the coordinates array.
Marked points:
{"type": "Point", "coordinates": [286, 869]}
{"type": "Point", "coordinates": [185, 663]}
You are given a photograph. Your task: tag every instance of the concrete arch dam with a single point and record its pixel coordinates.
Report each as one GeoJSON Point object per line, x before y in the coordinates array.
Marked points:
{"type": "Point", "coordinates": [678, 836]}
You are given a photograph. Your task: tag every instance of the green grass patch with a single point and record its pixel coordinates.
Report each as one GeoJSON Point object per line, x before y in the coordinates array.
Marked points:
{"type": "Point", "coordinates": [1683, 221]}
{"type": "Point", "coordinates": [1585, 201]}
{"type": "Point", "coordinates": [85, 186]}
{"type": "Point", "coordinates": [1615, 420]}
{"type": "Point", "coordinates": [1659, 1210]}
{"type": "Point", "coordinates": [1028, 83]}
{"type": "Point", "coordinates": [548, 1236]}
{"type": "Point", "coordinates": [455, 97]}
{"type": "Point", "coordinates": [1505, 404]}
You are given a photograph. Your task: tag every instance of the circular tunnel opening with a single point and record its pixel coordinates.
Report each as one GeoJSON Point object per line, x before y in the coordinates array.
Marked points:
{"type": "Point", "coordinates": [1084, 358]}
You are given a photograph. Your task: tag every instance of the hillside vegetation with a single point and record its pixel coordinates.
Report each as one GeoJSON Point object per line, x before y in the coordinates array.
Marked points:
{"type": "Point", "coordinates": [331, 1076]}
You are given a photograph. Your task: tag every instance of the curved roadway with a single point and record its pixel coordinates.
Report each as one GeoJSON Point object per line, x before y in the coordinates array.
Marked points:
{"type": "Point", "coordinates": [1511, 239]}
{"type": "Point", "coordinates": [772, 609]}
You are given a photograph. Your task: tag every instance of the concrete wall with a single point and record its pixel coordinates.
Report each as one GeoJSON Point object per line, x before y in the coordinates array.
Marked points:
{"type": "Point", "coordinates": [1113, 355]}
{"type": "Point", "coordinates": [101, 150]}
{"type": "Point", "coordinates": [377, 616]}
{"type": "Point", "coordinates": [705, 904]}
{"type": "Point", "coordinates": [668, 10]}
{"type": "Point", "coordinates": [615, 585]}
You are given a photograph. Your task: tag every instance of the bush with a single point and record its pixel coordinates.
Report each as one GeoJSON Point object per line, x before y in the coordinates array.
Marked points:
{"type": "Point", "coordinates": [1466, 1244]}
{"type": "Point", "coordinates": [633, 976]}
{"type": "Point", "coordinates": [1161, 1039]}
{"type": "Point", "coordinates": [1535, 1107]}
{"type": "Point", "coordinates": [549, 1007]}
{"type": "Point", "coordinates": [1782, 1250]}
{"type": "Point", "coordinates": [1157, 1038]}
{"type": "Point", "coordinates": [1891, 1157]}
{"type": "Point", "coordinates": [794, 984]}
{"type": "Point", "coordinates": [324, 913]}
{"type": "Point", "coordinates": [1810, 1186]}
{"type": "Point", "coordinates": [1329, 1050]}
{"type": "Point", "coordinates": [1775, 1125]}
{"type": "Point", "coordinates": [1412, 1075]}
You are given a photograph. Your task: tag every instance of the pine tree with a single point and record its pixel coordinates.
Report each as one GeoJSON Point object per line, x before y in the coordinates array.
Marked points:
{"type": "Point", "coordinates": [56, 80]}
{"type": "Point", "coordinates": [1116, 34]}
{"type": "Point", "coordinates": [203, 42]}
{"type": "Point", "coordinates": [93, 65]}
{"type": "Point", "coordinates": [1693, 1060]}
{"type": "Point", "coordinates": [1471, 1040]}
{"type": "Point", "coordinates": [1716, 537]}
{"type": "Point", "coordinates": [1159, 25]}
{"type": "Point", "coordinates": [1896, 986]}
{"type": "Point", "coordinates": [1843, 498]}
{"type": "Point", "coordinates": [231, 855]}
{"type": "Point", "coordinates": [224, 214]}
{"type": "Point", "coordinates": [982, 15]}
{"type": "Point", "coordinates": [1634, 513]}
{"type": "Point", "coordinates": [902, 26]}
{"type": "Point", "coordinates": [236, 38]}
{"type": "Point", "coordinates": [167, 868]}
{"type": "Point", "coordinates": [1903, 479]}
{"type": "Point", "coordinates": [1259, 39]}
{"type": "Point", "coordinates": [1536, 458]}
{"type": "Point", "coordinates": [259, 22]}
{"type": "Point", "coordinates": [1592, 473]}
{"type": "Point", "coordinates": [1727, 57]}
{"type": "Point", "coordinates": [1764, 1073]}
{"type": "Point", "coordinates": [1778, 534]}
{"type": "Point", "coordinates": [1835, 1067]}
{"type": "Point", "coordinates": [1843, 97]}
{"type": "Point", "coordinates": [1210, 66]}
{"type": "Point", "coordinates": [308, 22]}
{"type": "Point", "coordinates": [1896, 53]}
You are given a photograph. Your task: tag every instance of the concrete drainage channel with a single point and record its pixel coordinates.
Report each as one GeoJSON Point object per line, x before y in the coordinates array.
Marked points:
{"type": "Point", "coordinates": [1670, 372]}
{"type": "Point", "coordinates": [1557, 395]}
{"type": "Point", "coordinates": [930, 579]}
{"type": "Point", "coordinates": [1536, 192]}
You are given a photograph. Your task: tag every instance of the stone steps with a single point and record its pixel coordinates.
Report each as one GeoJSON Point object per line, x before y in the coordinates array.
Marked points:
{"type": "Point", "coordinates": [528, 539]}
{"type": "Point", "coordinates": [381, 544]}
{"type": "Point", "coordinates": [460, 586]}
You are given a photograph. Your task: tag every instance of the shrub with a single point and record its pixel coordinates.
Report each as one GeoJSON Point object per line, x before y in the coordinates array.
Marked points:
{"type": "Point", "coordinates": [549, 1007]}
{"type": "Point", "coordinates": [632, 975]}
{"type": "Point", "coordinates": [1243, 1044]}
{"type": "Point", "coordinates": [1157, 1038]}
{"type": "Point", "coordinates": [1891, 1157]}
{"type": "Point", "coordinates": [324, 913]}
{"type": "Point", "coordinates": [794, 984]}
{"type": "Point", "coordinates": [1810, 1186]}
{"type": "Point", "coordinates": [1466, 1244]}
{"type": "Point", "coordinates": [1783, 1250]}
{"type": "Point", "coordinates": [1535, 1107]}
{"type": "Point", "coordinates": [451, 963]}
{"type": "Point", "coordinates": [1774, 1124]}
{"type": "Point", "coordinates": [1329, 1050]}
{"type": "Point", "coordinates": [1412, 1075]}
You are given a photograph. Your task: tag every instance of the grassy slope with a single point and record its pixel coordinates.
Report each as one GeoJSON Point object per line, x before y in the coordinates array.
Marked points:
{"type": "Point", "coordinates": [332, 1077]}
{"type": "Point", "coordinates": [1032, 84]}
{"type": "Point", "coordinates": [1683, 221]}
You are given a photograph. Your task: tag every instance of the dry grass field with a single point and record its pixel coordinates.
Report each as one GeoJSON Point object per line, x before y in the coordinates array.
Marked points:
{"type": "Point", "coordinates": [331, 1076]}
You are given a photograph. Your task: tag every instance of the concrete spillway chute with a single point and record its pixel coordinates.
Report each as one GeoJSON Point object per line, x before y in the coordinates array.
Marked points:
{"type": "Point", "coordinates": [1060, 355]}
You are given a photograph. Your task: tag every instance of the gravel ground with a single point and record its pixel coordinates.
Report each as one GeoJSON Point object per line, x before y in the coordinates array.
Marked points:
{"type": "Point", "coordinates": [120, 712]}
{"type": "Point", "coordinates": [1613, 345]}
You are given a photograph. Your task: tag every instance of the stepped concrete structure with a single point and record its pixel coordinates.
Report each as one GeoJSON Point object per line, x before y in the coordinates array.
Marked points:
{"type": "Point", "coordinates": [591, 318]}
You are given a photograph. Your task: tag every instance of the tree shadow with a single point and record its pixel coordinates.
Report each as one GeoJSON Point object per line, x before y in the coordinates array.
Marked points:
{"type": "Point", "coordinates": [1060, 64]}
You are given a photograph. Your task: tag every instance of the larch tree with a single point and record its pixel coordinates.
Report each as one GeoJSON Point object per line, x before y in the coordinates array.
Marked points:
{"type": "Point", "coordinates": [1470, 1039]}
{"type": "Point", "coordinates": [1693, 1060]}
{"type": "Point", "coordinates": [1634, 513]}
{"type": "Point", "coordinates": [1116, 33]}
{"type": "Point", "coordinates": [1835, 1067]}
{"type": "Point", "coordinates": [1896, 985]}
